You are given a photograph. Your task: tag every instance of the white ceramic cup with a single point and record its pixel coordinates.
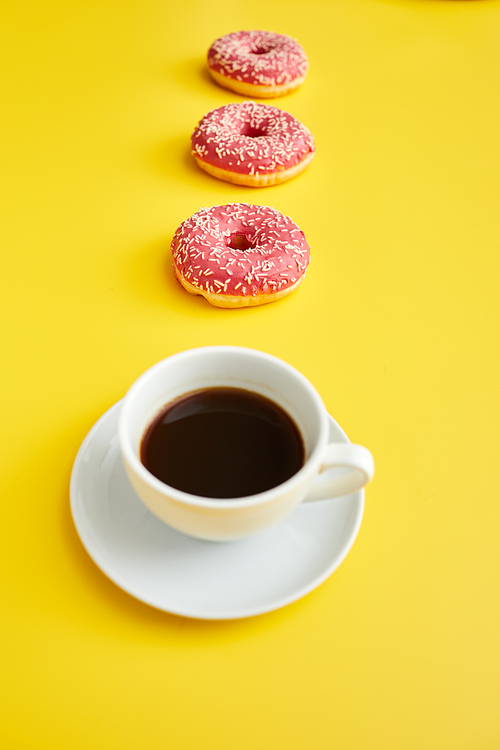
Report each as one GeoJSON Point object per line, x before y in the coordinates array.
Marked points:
{"type": "Point", "coordinates": [237, 367]}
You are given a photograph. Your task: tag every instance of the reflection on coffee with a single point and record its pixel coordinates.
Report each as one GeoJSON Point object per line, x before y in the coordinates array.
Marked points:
{"type": "Point", "coordinates": [222, 443]}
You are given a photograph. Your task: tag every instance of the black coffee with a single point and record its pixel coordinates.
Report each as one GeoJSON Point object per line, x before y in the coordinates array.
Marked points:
{"type": "Point", "coordinates": [222, 443]}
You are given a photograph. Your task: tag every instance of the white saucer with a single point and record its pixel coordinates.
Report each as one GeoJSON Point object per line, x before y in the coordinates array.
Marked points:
{"type": "Point", "coordinates": [185, 576]}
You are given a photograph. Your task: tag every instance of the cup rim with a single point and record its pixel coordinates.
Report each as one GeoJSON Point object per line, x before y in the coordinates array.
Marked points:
{"type": "Point", "coordinates": [185, 498]}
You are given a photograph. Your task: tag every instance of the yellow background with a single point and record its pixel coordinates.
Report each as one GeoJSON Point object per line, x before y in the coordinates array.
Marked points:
{"type": "Point", "coordinates": [397, 325]}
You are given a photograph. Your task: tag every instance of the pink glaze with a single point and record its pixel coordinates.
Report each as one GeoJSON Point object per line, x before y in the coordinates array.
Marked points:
{"type": "Point", "coordinates": [273, 253]}
{"type": "Point", "coordinates": [260, 58]}
{"type": "Point", "coordinates": [251, 138]}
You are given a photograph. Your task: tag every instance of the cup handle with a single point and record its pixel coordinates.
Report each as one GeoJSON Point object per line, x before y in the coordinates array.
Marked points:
{"type": "Point", "coordinates": [346, 456]}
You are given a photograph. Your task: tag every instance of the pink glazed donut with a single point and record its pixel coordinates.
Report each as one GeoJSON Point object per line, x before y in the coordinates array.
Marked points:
{"type": "Point", "coordinates": [249, 143]}
{"type": "Point", "coordinates": [240, 255]}
{"type": "Point", "coordinates": [260, 64]}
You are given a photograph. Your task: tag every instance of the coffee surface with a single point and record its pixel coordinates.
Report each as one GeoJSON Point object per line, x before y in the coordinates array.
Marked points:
{"type": "Point", "coordinates": [222, 443]}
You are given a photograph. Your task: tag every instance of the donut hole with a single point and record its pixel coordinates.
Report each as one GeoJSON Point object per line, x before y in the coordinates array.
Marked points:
{"type": "Point", "coordinates": [241, 242]}
{"type": "Point", "coordinates": [250, 132]}
{"type": "Point", "coordinates": [260, 50]}
{"type": "Point", "coordinates": [260, 46]}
